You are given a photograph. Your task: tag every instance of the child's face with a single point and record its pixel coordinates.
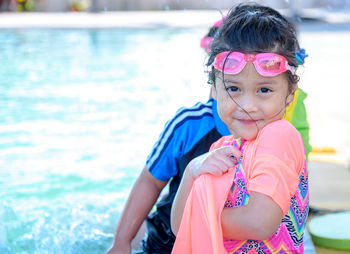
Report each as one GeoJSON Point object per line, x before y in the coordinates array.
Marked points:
{"type": "Point", "coordinates": [261, 100]}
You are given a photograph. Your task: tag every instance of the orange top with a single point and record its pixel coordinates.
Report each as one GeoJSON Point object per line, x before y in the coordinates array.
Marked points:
{"type": "Point", "coordinates": [272, 163]}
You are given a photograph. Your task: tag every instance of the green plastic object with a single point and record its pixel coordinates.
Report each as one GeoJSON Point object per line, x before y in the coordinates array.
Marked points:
{"type": "Point", "coordinates": [331, 230]}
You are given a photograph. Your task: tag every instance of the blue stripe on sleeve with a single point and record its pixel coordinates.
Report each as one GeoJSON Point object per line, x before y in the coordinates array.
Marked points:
{"type": "Point", "coordinates": [179, 127]}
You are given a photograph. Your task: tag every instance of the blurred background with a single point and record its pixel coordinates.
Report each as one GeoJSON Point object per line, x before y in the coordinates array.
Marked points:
{"type": "Point", "coordinates": [87, 86]}
{"type": "Point", "coordinates": [128, 5]}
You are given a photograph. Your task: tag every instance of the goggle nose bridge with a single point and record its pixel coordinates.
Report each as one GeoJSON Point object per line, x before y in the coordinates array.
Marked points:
{"type": "Point", "coordinates": [249, 57]}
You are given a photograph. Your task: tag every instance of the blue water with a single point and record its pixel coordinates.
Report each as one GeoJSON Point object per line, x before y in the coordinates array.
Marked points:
{"type": "Point", "coordinates": [79, 112]}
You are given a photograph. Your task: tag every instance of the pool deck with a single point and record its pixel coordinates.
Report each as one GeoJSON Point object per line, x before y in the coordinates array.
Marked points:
{"type": "Point", "coordinates": [329, 182]}
{"type": "Point", "coordinates": [130, 19]}
{"type": "Point", "coordinates": [143, 19]}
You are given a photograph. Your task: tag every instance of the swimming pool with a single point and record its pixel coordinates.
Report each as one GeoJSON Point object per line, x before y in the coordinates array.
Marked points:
{"type": "Point", "coordinates": [79, 112]}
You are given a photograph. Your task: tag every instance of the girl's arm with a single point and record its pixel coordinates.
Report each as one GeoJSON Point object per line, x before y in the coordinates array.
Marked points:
{"type": "Point", "coordinates": [273, 179]}
{"type": "Point", "coordinates": [216, 162]}
{"type": "Point", "coordinates": [257, 220]}
{"type": "Point", "coordinates": [180, 200]}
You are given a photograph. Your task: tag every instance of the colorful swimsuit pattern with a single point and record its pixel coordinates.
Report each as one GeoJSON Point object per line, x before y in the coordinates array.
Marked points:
{"type": "Point", "coordinates": [289, 236]}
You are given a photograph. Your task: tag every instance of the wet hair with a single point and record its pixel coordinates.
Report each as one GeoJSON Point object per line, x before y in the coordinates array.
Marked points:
{"type": "Point", "coordinates": [212, 31]}
{"type": "Point", "coordinates": [253, 28]}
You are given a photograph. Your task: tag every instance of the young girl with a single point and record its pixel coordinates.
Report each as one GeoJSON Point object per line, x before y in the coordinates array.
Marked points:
{"type": "Point", "coordinates": [296, 111]}
{"type": "Point", "coordinates": [254, 197]}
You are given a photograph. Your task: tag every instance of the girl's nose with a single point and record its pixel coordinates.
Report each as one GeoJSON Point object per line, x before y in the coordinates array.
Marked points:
{"type": "Point", "coordinates": [248, 103]}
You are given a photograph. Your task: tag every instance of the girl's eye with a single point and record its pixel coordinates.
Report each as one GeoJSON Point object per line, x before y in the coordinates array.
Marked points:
{"type": "Point", "coordinates": [264, 90]}
{"type": "Point", "coordinates": [232, 89]}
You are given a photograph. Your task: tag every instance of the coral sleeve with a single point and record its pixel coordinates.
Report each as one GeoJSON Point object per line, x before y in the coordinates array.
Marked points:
{"type": "Point", "coordinates": [277, 162]}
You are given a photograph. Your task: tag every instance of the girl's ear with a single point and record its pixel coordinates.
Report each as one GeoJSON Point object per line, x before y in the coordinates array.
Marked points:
{"type": "Point", "coordinates": [290, 98]}
{"type": "Point", "coordinates": [213, 91]}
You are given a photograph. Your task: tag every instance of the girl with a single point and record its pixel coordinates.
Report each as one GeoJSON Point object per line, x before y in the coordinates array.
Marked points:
{"type": "Point", "coordinates": [255, 196]}
{"type": "Point", "coordinates": [296, 111]}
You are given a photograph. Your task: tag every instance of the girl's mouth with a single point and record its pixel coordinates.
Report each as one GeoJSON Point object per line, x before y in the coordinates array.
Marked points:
{"type": "Point", "coordinates": [247, 121]}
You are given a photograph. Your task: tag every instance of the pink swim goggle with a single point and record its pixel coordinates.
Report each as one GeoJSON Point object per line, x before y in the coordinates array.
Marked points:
{"type": "Point", "coordinates": [206, 43]}
{"type": "Point", "coordinates": [266, 64]}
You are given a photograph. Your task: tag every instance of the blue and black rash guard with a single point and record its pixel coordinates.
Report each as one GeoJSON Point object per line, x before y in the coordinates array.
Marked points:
{"type": "Point", "coordinates": [188, 134]}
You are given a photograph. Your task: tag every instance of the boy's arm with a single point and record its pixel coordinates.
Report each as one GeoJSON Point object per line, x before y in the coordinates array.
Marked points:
{"type": "Point", "coordinates": [143, 196]}
{"type": "Point", "coordinates": [257, 220]}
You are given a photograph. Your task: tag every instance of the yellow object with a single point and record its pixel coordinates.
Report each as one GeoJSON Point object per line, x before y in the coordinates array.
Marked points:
{"type": "Point", "coordinates": [296, 114]}
{"type": "Point", "coordinates": [323, 149]}
{"type": "Point", "coordinates": [80, 5]}
{"type": "Point", "coordinates": [291, 107]}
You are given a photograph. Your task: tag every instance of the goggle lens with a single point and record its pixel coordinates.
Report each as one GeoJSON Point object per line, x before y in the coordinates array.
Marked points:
{"type": "Point", "coordinates": [230, 63]}
{"type": "Point", "coordinates": [270, 65]}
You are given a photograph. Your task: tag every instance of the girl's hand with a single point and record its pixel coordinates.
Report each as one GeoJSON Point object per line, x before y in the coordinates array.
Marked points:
{"type": "Point", "coordinates": [216, 162]}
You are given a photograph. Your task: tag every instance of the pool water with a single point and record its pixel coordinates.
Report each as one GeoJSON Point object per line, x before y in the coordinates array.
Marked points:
{"type": "Point", "coordinates": [79, 112]}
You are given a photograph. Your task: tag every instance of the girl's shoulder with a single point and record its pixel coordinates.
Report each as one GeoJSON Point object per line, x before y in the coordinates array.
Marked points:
{"type": "Point", "coordinates": [281, 140]}
{"type": "Point", "coordinates": [279, 126]}
{"type": "Point", "coordinates": [279, 131]}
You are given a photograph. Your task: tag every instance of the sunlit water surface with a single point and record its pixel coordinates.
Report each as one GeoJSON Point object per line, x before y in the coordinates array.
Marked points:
{"type": "Point", "coordinates": [79, 112]}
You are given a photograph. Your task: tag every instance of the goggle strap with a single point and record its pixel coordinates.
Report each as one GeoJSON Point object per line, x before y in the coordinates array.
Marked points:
{"type": "Point", "coordinates": [292, 69]}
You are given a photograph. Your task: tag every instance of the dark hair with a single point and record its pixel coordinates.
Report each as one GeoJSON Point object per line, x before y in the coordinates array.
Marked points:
{"type": "Point", "coordinates": [212, 31]}
{"type": "Point", "coordinates": [253, 28]}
